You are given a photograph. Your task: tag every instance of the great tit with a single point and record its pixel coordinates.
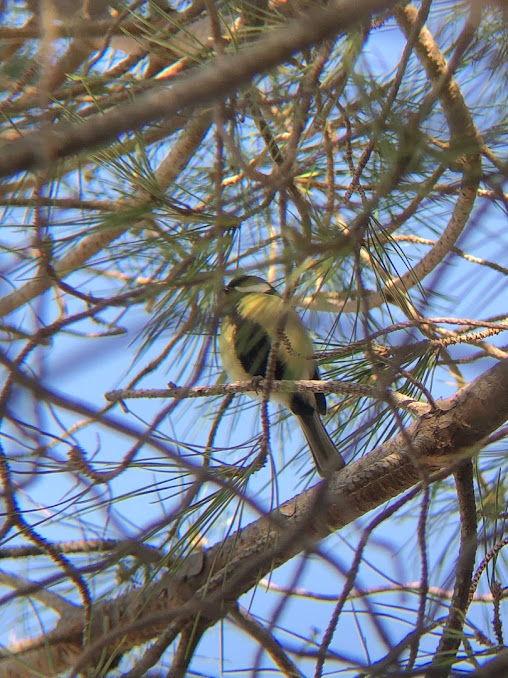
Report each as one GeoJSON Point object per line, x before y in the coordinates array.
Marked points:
{"type": "Point", "coordinates": [254, 317]}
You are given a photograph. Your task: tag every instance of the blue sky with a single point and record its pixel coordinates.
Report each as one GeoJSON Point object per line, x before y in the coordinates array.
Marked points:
{"type": "Point", "coordinates": [86, 368]}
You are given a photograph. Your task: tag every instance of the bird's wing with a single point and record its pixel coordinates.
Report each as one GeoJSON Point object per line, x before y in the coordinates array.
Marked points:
{"type": "Point", "coordinates": [252, 346]}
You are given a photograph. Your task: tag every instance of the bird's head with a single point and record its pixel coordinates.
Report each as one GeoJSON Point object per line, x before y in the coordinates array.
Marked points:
{"type": "Point", "coordinates": [238, 289]}
{"type": "Point", "coordinates": [248, 284]}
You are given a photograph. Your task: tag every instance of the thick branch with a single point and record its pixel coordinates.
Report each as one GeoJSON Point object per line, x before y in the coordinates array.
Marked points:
{"type": "Point", "coordinates": [205, 85]}
{"type": "Point", "coordinates": [213, 581]}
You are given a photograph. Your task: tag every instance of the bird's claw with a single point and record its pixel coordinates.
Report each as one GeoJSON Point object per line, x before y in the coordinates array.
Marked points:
{"type": "Point", "coordinates": [256, 383]}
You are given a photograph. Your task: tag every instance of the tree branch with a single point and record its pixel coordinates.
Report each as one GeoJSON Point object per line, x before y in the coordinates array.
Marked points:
{"type": "Point", "coordinates": [230, 568]}
{"type": "Point", "coordinates": [177, 158]}
{"type": "Point", "coordinates": [452, 633]}
{"type": "Point", "coordinates": [203, 86]}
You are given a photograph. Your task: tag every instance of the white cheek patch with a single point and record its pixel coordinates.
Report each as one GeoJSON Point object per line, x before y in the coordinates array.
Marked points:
{"type": "Point", "coordinates": [260, 288]}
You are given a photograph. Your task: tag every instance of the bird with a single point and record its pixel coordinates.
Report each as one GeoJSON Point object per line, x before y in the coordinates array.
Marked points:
{"type": "Point", "coordinates": [255, 317]}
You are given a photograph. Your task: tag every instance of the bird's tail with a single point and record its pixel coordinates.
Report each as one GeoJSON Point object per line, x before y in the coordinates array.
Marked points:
{"type": "Point", "coordinates": [326, 456]}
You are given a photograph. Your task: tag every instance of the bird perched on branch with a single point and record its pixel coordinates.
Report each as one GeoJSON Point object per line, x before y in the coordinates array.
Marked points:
{"type": "Point", "coordinates": [255, 318]}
